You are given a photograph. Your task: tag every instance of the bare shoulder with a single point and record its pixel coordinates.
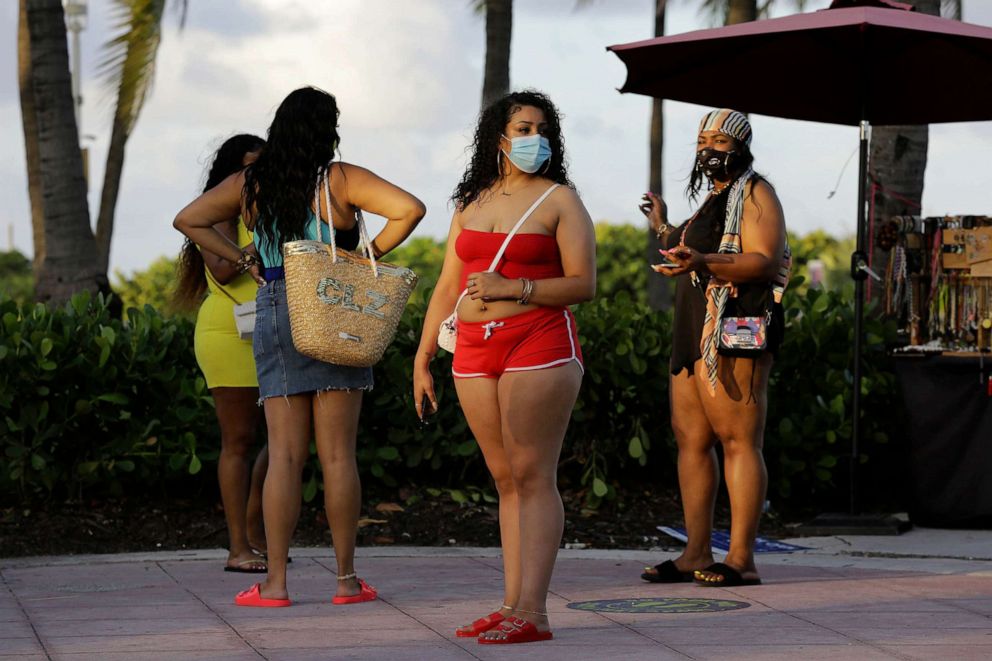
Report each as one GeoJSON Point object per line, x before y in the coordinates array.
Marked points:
{"type": "Point", "coordinates": [761, 192]}
{"type": "Point", "coordinates": [458, 216]}
{"type": "Point", "coordinates": [566, 197]}
{"type": "Point", "coordinates": [349, 169]}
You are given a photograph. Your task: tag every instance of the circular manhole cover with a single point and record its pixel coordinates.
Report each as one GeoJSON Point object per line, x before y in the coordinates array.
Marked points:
{"type": "Point", "coordinates": [659, 605]}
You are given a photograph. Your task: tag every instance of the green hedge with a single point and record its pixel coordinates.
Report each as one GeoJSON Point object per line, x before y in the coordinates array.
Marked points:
{"type": "Point", "coordinates": [91, 402]}
{"type": "Point", "coordinates": [92, 405]}
{"type": "Point", "coordinates": [96, 405]}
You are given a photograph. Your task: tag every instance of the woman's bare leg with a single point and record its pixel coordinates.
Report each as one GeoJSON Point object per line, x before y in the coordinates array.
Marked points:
{"type": "Point", "coordinates": [698, 469]}
{"type": "Point", "coordinates": [335, 415]}
{"type": "Point", "coordinates": [480, 403]}
{"type": "Point", "coordinates": [737, 414]}
{"type": "Point", "coordinates": [256, 526]}
{"type": "Point", "coordinates": [238, 417]}
{"type": "Point", "coordinates": [288, 420]}
{"type": "Point", "coordinates": [536, 407]}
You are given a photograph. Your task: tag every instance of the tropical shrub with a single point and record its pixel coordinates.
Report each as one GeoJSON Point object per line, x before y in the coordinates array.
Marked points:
{"type": "Point", "coordinates": [16, 278]}
{"type": "Point", "coordinates": [89, 401]}
{"type": "Point", "coordinates": [152, 286]}
{"type": "Point", "coordinates": [93, 404]}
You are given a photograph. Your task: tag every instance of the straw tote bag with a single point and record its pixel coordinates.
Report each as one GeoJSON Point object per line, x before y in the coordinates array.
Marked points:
{"type": "Point", "coordinates": [447, 333]}
{"type": "Point", "coordinates": [343, 308]}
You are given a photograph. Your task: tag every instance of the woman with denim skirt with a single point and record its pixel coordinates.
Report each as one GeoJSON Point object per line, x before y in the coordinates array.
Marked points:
{"type": "Point", "coordinates": [302, 398]}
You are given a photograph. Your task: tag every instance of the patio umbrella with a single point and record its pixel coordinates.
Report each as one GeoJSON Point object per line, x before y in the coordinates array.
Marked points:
{"type": "Point", "coordinates": [872, 63]}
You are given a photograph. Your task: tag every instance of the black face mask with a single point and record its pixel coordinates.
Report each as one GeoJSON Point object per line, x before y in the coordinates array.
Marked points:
{"type": "Point", "coordinates": [715, 163]}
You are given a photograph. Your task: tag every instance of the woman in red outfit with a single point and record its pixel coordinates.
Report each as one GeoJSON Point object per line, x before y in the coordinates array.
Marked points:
{"type": "Point", "coordinates": [517, 364]}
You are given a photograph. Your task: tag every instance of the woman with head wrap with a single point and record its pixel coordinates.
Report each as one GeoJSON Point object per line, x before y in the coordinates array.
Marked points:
{"type": "Point", "coordinates": [731, 263]}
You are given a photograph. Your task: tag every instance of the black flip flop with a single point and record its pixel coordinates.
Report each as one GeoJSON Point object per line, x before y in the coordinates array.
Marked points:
{"type": "Point", "coordinates": [667, 572]}
{"type": "Point", "coordinates": [731, 577]}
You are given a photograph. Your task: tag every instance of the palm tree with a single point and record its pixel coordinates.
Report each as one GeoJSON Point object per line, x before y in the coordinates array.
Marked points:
{"type": "Point", "coordinates": [129, 66]}
{"type": "Point", "coordinates": [65, 255]}
{"type": "Point", "coordinates": [659, 289]}
{"type": "Point", "coordinates": [68, 257]}
{"type": "Point", "coordinates": [499, 29]}
{"type": "Point", "coordinates": [898, 161]}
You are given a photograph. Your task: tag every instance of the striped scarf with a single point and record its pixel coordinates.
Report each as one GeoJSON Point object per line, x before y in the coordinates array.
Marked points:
{"type": "Point", "coordinates": [717, 291]}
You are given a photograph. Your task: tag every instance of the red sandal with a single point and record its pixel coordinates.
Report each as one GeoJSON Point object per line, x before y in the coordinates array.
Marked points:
{"type": "Point", "coordinates": [481, 625]}
{"type": "Point", "coordinates": [367, 593]}
{"type": "Point", "coordinates": [253, 597]}
{"type": "Point", "coordinates": [516, 630]}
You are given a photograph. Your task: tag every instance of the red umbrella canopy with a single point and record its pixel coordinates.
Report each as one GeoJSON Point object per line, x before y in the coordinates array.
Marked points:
{"type": "Point", "coordinates": [840, 66]}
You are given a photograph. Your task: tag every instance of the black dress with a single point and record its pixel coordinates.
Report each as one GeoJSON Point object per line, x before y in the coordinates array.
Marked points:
{"type": "Point", "coordinates": [703, 233]}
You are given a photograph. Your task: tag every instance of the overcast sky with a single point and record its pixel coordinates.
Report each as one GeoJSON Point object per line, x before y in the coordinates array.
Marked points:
{"type": "Point", "coordinates": [408, 75]}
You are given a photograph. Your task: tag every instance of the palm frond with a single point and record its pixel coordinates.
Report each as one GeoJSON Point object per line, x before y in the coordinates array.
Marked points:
{"type": "Point", "coordinates": [128, 65]}
{"type": "Point", "coordinates": [951, 9]}
{"type": "Point", "coordinates": [716, 10]}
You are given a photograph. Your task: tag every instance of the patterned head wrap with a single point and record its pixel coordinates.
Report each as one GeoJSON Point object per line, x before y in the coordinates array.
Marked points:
{"type": "Point", "coordinates": [732, 123]}
{"type": "Point", "coordinates": [729, 122]}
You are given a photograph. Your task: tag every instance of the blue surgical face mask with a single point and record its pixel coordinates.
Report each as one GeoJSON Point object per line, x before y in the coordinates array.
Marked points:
{"type": "Point", "coordinates": [529, 152]}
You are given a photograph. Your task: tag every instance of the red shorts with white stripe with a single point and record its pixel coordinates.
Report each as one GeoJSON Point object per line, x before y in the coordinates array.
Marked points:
{"type": "Point", "coordinates": [538, 339]}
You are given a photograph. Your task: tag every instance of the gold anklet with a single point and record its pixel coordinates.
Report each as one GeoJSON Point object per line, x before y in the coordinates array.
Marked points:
{"type": "Point", "coordinates": [521, 610]}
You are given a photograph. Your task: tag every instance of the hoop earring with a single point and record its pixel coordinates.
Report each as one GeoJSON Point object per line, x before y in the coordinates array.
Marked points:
{"type": "Point", "coordinates": [547, 166]}
{"type": "Point", "coordinates": [499, 163]}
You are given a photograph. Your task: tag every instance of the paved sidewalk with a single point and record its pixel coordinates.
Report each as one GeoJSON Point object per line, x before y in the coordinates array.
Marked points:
{"type": "Point", "coordinates": [911, 597]}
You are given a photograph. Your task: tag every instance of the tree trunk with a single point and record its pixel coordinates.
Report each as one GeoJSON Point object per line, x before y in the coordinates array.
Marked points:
{"type": "Point", "coordinates": [897, 162]}
{"type": "Point", "coordinates": [741, 11]}
{"type": "Point", "coordinates": [29, 123]}
{"type": "Point", "coordinates": [659, 288]}
{"type": "Point", "coordinates": [499, 28]}
{"type": "Point", "coordinates": [111, 189]}
{"type": "Point", "coordinates": [69, 261]}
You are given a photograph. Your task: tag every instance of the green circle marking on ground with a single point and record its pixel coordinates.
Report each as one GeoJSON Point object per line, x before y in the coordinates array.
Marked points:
{"type": "Point", "coordinates": [659, 605]}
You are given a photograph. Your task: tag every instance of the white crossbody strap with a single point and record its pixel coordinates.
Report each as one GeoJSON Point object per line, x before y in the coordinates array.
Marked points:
{"type": "Point", "coordinates": [506, 241]}
{"type": "Point", "coordinates": [502, 248]}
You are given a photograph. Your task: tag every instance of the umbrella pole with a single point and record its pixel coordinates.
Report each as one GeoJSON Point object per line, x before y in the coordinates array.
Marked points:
{"type": "Point", "coordinates": [855, 523]}
{"type": "Point", "coordinates": [859, 265]}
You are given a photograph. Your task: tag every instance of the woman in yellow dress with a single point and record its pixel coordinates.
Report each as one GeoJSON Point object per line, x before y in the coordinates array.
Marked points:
{"type": "Point", "coordinates": [229, 368]}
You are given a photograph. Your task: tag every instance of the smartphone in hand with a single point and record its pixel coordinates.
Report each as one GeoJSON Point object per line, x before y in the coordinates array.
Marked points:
{"type": "Point", "coordinates": [426, 410]}
{"type": "Point", "coordinates": [667, 263]}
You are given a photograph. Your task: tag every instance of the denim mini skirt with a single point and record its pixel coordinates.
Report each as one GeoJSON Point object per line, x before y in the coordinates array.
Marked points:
{"type": "Point", "coordinates": [282, 370]}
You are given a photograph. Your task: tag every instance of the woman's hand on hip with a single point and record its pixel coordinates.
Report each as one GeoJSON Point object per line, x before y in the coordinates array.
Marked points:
{"type": "Point", "coordinates": [489, 286]}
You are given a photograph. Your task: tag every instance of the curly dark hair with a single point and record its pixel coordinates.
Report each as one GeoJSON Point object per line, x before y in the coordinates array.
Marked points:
{"type": "Point", "coordinates": [279, 186]}
{"type": "Point", "coordinates": [743, 161]}
{"type": "Point", "coordinates": [191, 281]}
{"type": "Point", "coordinates": [483, 169]}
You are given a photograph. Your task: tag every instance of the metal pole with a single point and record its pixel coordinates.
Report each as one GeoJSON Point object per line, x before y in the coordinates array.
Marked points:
{"type": "Point", "coordinates": [75, 14]}
{"type": "Point", "coordinates": [859, 272]}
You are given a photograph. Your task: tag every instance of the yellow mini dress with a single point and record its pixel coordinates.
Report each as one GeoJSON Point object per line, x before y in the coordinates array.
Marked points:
{"type": "Point", "coordinates": [224, 358]}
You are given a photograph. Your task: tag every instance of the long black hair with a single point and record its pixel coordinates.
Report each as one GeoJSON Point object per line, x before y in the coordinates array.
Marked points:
{"type": "Point", "coordinates": [279, 186]}
{"type": "Point", "coordinates": [191, 282]}
{"type": "Point", "coordinates": [483, 169]}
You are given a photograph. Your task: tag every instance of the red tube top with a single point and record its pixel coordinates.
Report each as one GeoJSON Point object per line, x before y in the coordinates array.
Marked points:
{"type": "Point", "coordinates": [533, 256]}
